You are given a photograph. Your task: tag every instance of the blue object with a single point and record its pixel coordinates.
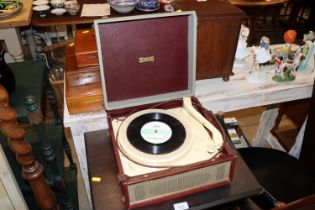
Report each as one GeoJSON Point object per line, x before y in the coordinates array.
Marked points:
{"type": "Point", "coordinates": [303, 65]}
{"type": "Point", "coordinates": [148, 5]}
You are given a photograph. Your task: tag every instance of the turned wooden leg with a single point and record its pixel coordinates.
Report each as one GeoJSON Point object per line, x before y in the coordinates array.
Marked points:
{"type": "Point", "coordinates": [32, 171]}
{"type": "Point", "coordinates": [35, 117]}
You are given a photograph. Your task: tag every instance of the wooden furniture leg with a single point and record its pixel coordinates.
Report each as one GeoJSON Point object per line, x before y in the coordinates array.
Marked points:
{"type": "Point", "coordinates": [53, 101]}
{"type": "Point", "coordinates": [12, 41]}
{"type": "Point", "coordinates": [32, 171]}
{"type": "Point", "coordinates": [264, 135]}
{"type": "Point", "coordinates": [35, 118]}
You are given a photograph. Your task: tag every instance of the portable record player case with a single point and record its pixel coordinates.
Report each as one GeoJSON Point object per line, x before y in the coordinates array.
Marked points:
{"type": "Point", "coordinates": [149, 61]}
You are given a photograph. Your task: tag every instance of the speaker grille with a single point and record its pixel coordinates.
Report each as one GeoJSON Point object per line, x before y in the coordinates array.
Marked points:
{"type": "Point", "coordinates": [169, 185]}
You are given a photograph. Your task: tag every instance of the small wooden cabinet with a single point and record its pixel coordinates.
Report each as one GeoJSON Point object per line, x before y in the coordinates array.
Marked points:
{"type": "Point", "coordinates": [219, 25]}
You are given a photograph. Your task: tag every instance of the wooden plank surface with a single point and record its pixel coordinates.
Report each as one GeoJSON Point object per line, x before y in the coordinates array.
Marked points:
{"type": "Point", "coordinates": [67, 19]}
{"type": "Point", "coordinates": [21, 18]}
{"type": "Point", "coordinates": [107, 194]}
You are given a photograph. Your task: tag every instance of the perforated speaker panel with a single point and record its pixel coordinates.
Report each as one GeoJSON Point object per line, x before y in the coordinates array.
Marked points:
{"type": "Point", "coordinates": [182, 182]}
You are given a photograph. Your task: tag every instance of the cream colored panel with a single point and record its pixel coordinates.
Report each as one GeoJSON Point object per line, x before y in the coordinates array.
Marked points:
{"type": "Point", "coordinates": [4, 199]}
{"type": "Point", "coordinates": [10, 194]}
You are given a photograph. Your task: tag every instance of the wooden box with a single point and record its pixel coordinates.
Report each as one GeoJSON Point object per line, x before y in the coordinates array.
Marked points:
{"type": "Point", "coordinates": [85, 48]}
{"type": "Point", "coordinates": [84, 98]}
{"type": "Point", "coordinates": [218, 30]}
{"type": "Point", "coordinates": [83, 88]}
{"type": "Point", "coordinates": [76, 75]}
{"type": "Point", "coordinates": [158, 71]}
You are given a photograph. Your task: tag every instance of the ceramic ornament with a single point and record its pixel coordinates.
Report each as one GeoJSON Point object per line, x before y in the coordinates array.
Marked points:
{"type": "Point", "coordinates": [241, 51]}
{"type": "Point", "coordinates": [262, 62]}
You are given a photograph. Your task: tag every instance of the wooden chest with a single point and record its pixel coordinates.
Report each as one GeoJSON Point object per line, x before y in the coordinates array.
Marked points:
{"type": "Point", "coordinates": [76, 75]}
{"type": "Point", "coordinates": [217, 36]}
{"type": "Point", "coordinates": [85, 48]}
{"type": "Point", "coordinates": [82, 85]}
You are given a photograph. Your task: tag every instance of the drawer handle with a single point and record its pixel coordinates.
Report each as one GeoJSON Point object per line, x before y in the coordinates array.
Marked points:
{"type": "Point", "coordinates": [92, 57]}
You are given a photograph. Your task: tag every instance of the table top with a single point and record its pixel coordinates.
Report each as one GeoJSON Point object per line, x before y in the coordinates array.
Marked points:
{"type": "Point", "coordinates": [107, 194]}
{"type": "Point", "coordinates": [256, 3]}
{"type": "Point", "coordinates": [67, 19]}
{"type": "Point", "coordinates": [29, 80]}
{"type": "Point", "coordinates": [21, 18]}
{"type": "Point", "coordinates": [217, 95]}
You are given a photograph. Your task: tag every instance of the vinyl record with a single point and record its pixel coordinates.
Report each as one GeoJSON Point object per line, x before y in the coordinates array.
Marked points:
{"type": "Point", "coordinates": [156, 133]}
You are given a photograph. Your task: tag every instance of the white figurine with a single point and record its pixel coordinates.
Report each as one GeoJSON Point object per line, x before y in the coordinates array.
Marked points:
{"type": "Point", "coordinates": [262, 53]}
{"type": "Point", "coordinates": [261, 65]}
{"type": "Point", "coordinates": [241, 51]}
{"type": "Point", "coordinates": [309, 37]}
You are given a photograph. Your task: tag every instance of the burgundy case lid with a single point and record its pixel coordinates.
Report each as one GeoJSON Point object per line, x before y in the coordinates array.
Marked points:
{"type": "Point", "coordinates": [148, 58]}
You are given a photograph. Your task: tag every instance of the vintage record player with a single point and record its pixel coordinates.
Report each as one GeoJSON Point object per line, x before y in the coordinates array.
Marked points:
{"type": "Point", "coordinates": [166, 144]}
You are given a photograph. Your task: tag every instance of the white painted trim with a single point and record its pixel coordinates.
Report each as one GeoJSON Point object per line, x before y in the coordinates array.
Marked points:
{"type": "Point", "coordinates": [10, 185]}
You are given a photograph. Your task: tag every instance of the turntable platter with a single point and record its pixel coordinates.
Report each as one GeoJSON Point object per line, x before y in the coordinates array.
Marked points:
{"type": "Point", "coordinates": [194, 148]}
{"type": "Point", "coordinates": [156, 133]}
{"type": "Point", "coordinates": [133, 144]}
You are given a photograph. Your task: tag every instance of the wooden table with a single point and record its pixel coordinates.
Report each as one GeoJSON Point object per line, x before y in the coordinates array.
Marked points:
{"type": "Point", "coordinates": [9, 32]}
{"type": "Point", "coordinates": [107, 194]}
{"type": "Point", "coordinates": [215, 95]}
{"type": "Point", "coordinates": [66, 19]}
{"type": "Point", "coordinates": [259, 8]}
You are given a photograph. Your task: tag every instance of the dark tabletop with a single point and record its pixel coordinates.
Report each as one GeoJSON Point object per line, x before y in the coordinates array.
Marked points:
{"type": "Point", "coordinates": [107, 194]}
{"type": "Point", "coordinates": [66, 19]}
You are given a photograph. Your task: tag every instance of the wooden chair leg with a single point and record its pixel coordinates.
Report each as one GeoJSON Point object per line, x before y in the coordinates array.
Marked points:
{"type": "Point", "coordinates": [53, 105]}
{"type": "Point", "coordinates": [68, 153]}
{"type": "Point", "coordinates": [35, 118]}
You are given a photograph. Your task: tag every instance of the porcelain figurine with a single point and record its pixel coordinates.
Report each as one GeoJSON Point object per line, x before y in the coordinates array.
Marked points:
{"type": "Point", "coordinates": [307, 54]}
{"type": "Point", "coordinates": [241, 51]}
{"type": "Point", "coordinates": [286, 71]}
{"type": "Point", "coordinates": [262, 53]}
{"type": "Point", "coordinates": [262, 62]}
{"type": "Point", "coordinates": [309, 37]}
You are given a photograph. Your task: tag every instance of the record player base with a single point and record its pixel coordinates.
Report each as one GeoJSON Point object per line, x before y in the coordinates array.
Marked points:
{"type": "Point", "coordinates": [107, 194]}
{"type": "Point", "coordinates": [155, 187]}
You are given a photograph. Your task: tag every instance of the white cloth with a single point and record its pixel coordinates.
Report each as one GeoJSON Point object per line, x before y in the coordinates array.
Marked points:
{"type": "Point", "coordinates": [94, 10]}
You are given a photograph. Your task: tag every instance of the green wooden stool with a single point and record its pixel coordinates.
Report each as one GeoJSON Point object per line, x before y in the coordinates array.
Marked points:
{"type": "Point", "coordinates": [29, 80]}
